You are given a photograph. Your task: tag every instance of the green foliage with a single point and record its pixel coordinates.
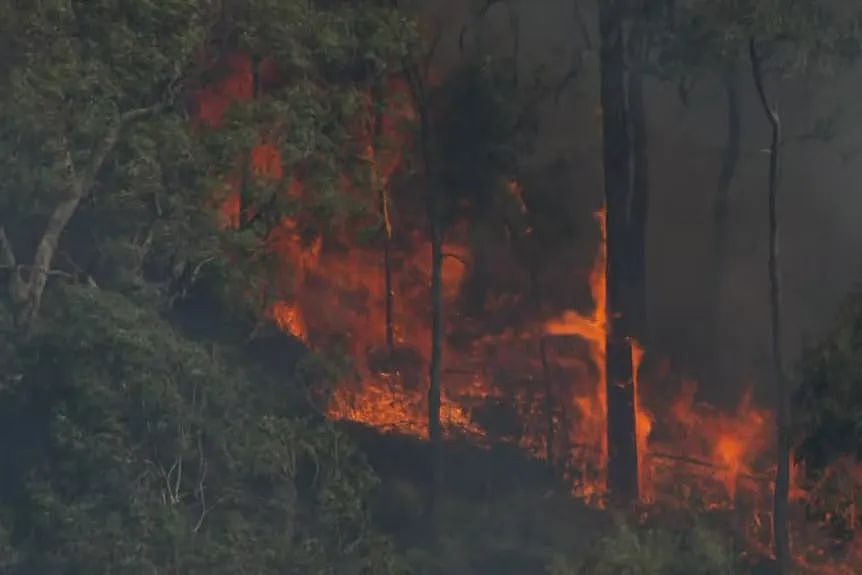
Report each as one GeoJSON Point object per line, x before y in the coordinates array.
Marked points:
{"type": "Point", "coordinates": [72, 69]}
{"type": "Point", "coordinates": [505, 532]}
{"type": "Point", "coordinates": [827, 417]}
{"type": "Point", "coordinates": [71, 72]}
{"type": "Point", "coordinates": [331, 58]}
{"type": "Point", "coordinates": [828, 401]}
{"type": "Point", "coordinates": [653, 552]}
{"type": "Point", "coordinates": [127, 447]}
{"type": "Point", "coordinates": [796, 36]}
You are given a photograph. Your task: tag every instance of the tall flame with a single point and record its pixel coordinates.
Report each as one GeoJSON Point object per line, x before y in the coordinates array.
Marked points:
{"type": "Point", "coordinates": [592, 407]}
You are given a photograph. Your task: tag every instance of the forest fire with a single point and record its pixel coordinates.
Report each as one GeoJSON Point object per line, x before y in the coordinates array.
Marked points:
{"type": "Point", "coordinates": [346, 294]}
{"type": "Point", "coordinates": [341, 292]}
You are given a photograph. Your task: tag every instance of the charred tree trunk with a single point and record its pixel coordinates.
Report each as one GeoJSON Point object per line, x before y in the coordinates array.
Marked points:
{"type": "Point", "coordinates": [639, 210]}
{"type": "Point", "coordinates": [550, 437]}
{"type": "Point", "coordinates": [721, 210]}
{"type": "Point", "coordinates": [622, 436]}
{"type": "Point", "coordinates": [780, 513]}
{"type": "Point", "coordinates": [547, 381]}
{"type": "Point", "coordinates": [435, 431]}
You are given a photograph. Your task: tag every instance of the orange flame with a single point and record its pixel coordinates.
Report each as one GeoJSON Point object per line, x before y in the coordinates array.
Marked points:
{"type": "Point", "coordinates": [592, 406]}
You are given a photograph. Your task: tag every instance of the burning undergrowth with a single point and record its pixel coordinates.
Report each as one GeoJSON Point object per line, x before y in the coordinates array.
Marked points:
{"type": "Point", "coordinates": [520, 366]}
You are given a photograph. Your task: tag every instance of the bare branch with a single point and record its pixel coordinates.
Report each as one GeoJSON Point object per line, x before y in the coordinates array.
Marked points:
{"type": "Point", "coordinates": [541, 92]}
{"type": "Point", "coordinates": [757, 69]}
{"type": "Point", "coordinates": [201, 488]}
{"type": "Point", "coordinates": [109, 142]}
{"type": "Point", "coordinates": [581, 21]}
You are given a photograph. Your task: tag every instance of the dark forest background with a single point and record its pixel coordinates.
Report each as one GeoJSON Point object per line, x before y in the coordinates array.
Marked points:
{"type": "Point", "coordinates": [154, 418]}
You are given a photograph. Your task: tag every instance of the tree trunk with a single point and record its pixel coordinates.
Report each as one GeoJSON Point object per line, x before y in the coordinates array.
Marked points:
{"type": "Point", "coordinates": [435, 432]}
{"type": "Point", "coordinates": [640, 188]}
{"type": "Point", "coordinates": [45, 251]}
{"type": "Point", "coordinates": [385, 217]}
{"type": "Point", "coordinates": [436, 225]}
{"type": "Point", "coordinates": [622, 437]}
{"type": "Point", "coordinates": [387, 281]}
{"type": "Point", "coordinates": [28, 296]}
{"type": "Point", "coordinates": [383, 201]}
{"type": "Point", "coordinates": [780, 513]}
{"type": "Point", "coordinates": [550, 402]}
{"type": "Point", "coordinates": [721, 210]}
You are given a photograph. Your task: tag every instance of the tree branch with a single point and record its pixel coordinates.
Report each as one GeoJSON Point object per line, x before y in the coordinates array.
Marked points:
{"type": "Point", "coordinates": [582, 24]}
{"type": "Point", "coordinates": [455, 257]}
{"type": "Point", "coordinates": [553, 90]}
{"type": "Point", "coordinates": [109, 142]}
{"type": "Point", "coordinates": [7, 255]}
{"type": "Point", "coordinates": [757, 66]}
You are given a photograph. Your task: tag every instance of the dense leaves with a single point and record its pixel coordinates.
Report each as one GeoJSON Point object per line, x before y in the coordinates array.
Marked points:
{"type": "Point", "coordinates": [638, 551]}
{"type": "Point", "coordinates": [828, 403]}
{"type": "Point", "coordinates": [127, 447]}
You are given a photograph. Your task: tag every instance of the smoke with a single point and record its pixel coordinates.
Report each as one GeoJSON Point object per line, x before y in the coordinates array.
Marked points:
{"type": "Point", "coordinates": [818, 206]}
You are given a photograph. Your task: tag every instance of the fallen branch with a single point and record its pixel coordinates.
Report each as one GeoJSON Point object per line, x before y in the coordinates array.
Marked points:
{"type": "Point", "coordinates": [455, 257]}
{"type": "Point", "coordinates": [707, 465]}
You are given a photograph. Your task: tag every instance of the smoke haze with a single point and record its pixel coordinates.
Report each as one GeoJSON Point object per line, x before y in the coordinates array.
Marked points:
{"type": "Point", "coordinates": [819, 200]}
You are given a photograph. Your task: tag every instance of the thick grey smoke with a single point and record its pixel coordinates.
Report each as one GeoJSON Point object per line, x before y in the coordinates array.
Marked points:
{"type": "Point", "coordinates": [820, 203]}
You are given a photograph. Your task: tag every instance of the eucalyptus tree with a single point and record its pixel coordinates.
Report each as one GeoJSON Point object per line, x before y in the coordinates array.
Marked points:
{"type": "Point", "coordinates": [97, 108]}
{"type": "Point", "coordinates": [128, 447]}
{"type": "Point", "coordinates": [779, 38]}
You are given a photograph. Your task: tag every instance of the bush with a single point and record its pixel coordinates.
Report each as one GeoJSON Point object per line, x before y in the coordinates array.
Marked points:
{"type": "Point", "coordinates": [131, 449]}
{"type": "Point", "coordinates": [828, 402]}
{"type": "Point", "coordinates": [630, 551]}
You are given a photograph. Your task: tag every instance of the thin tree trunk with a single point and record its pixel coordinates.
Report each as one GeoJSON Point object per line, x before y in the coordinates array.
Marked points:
{"type": "Point", "coordinates": [387, 280]}
{"type": "Point", "coordinates": [435, 431]}
{"type": "Point", "coordinates": [622, 437]}
{"type": "Point", "coordinates": [386, 219]}
{"type": "Point", "coordinates": [550, 402]}
{"type": "Point", "coordinates": [780, 513]}
{"type": "Point", "coordinates": [729, 162]}
{"type": "Point", "coordinates": [435, 220]}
